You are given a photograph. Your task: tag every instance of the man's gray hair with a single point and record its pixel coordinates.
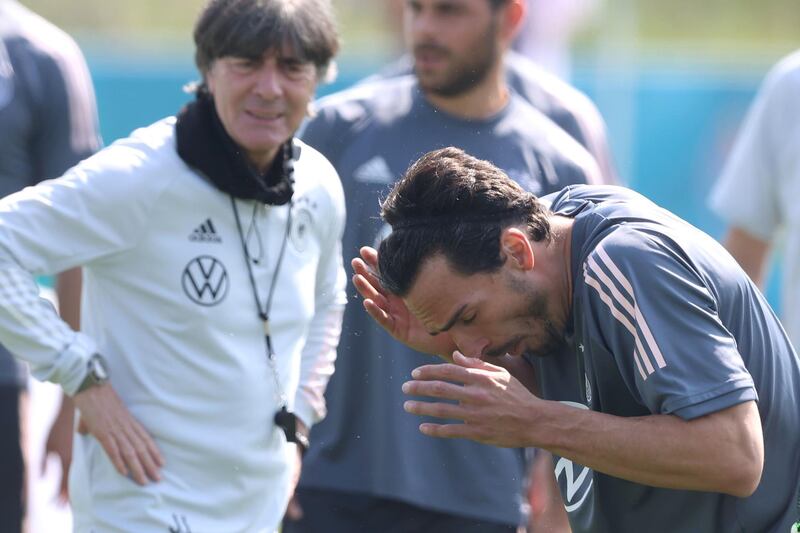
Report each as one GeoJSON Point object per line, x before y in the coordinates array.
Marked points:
{"type": "Point", "coordinates": [249, 28]}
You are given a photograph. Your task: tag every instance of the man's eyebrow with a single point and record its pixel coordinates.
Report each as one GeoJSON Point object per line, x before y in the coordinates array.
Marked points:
{"type": "Point", "coordinates": [450, 322]}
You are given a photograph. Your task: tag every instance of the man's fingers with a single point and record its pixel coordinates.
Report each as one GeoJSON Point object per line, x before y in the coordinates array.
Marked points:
{"type": "Point", "coordinates": [369, 255]}
{"type": "Point", "coordinates": [473, 362]}
{"type": "Point", "coordinates": [150, 457]}
{"type": "Point", "coordinates": [155, 452]}
{"type": "Point", "coordinates": [149, 444]}
{"type": "Point", "coordinates": [369, 272]}
{"type": "Point", "coordinates": [109, 444]}
{"type": "Point", "coordinates": [468, 362]}
{"type": "Point", "coordinates": [447, 431]}
{"type": "Point", "coordinates": [367, 290]}
{"type": "Point", "coordinates": [379, 315]}
{"type": "Point", "coordinates": [367, 282]}
{"type": "Point", "coordinates": [434, 409]}
{"type": "Point", "coordinates": [360, 267]}
{"type": "Point", "coordinates": [143, 446]}
{"type": "Point", "coordinates": [133, 445]}
{"type": "Point", "coordinates": [129, 447]}
{"type": "Point", "coordinates": [130, 455]}
{"type": "Point", "coordinates": [436, 389]}
{"type": "Point", "coordinates": [442, 371]}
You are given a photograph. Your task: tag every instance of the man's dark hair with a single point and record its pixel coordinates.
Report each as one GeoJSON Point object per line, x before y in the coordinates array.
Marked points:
{"type": "Point", "coordinates": [453, 204]}
{"type": "Point", "coordinates": [249, 28]}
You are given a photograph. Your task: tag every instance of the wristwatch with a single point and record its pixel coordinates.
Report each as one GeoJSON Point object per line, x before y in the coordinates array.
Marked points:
{"type": "Point", "coordinates": [96, 373]}
{"type": "Point", "coordinates": [287, 421]}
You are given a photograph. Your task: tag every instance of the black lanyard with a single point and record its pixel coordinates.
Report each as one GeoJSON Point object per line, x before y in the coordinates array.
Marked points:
{"type": "Point", "coordinates": [284, 419]}
{"type": "Point", "coordinates": [263, 312]}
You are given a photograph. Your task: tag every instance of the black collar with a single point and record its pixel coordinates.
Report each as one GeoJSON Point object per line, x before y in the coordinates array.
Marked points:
{"type": "Point", "coordinates": [204, 145]}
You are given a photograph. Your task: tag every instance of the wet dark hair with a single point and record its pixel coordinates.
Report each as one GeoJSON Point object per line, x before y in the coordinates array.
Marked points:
{"type": "Point", "coordinates": [249, 28]}
{"type": "Point", "coordinates": [453, 204]}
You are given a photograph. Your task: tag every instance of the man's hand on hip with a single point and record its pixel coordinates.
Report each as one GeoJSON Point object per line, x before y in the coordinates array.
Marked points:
{"type": "Point", "coordinates": [130, 448]}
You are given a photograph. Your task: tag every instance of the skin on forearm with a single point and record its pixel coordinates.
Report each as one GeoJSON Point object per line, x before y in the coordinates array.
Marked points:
{"type": "Point", "coordinates": [721, 452]}
{"type": "Point", "coordinates": [68, 289]}
{"type": "Point", "coordinates": [750, 252]}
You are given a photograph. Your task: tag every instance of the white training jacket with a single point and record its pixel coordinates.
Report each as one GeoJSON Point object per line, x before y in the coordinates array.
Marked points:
{"type": "Point", "coordinates": [168, 302]}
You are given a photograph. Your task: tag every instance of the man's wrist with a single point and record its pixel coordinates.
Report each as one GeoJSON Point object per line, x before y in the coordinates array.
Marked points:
{"type": "Point", "coordinates": [96, 373]}
{"type": "Point", "coordinates": [301, 436]}
{"type": "Point", "coordinates": [293, 428]}
{"type": "Point", "coordinates": [302, 442]}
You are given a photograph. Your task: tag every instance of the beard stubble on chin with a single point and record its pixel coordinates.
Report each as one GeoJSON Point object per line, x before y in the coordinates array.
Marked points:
{"type": "Point", "coordinates": [553, 340]}
{"type": "Point", "coordinates": [456, 85]}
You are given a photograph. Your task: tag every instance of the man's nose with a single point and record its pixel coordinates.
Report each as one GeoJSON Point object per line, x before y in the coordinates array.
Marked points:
{"type": "Point", "coordinates": [471, 345]}
{"type": "Point", "coordinates": [268, 83]}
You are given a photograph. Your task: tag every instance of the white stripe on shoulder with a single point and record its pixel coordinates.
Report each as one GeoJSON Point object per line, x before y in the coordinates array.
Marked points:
{"type": "Point", "coordinates": [622, 319]}
{"type": "Point", "coordinates": [638, 317]}
{"type": "Point", "coordinates": [618, 296]}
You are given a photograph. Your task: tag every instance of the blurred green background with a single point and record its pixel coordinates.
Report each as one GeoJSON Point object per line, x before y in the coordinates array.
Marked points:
{"type": "Point", "coordinates": [736, 28]}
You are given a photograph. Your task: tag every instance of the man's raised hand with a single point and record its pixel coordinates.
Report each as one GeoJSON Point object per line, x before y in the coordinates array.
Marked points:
{"type": "Point", "coordinates": [391, 312]}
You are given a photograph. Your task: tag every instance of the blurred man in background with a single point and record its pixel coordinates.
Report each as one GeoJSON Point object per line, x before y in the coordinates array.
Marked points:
{"type": "Point", "coordinates": [369, 469]}
{"type": "Point", "coordinates": [563, 104]}
{"type": "Point", "coordinates": [757, 192]}
{"type": "Point", "coordinates": [204, 352]}
{"type": "Point", "coordinates": [48, 123]}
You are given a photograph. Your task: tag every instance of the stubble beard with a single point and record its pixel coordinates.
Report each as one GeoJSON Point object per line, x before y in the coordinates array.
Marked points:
{"type": "Point", "coordinates": [536, 311]}
{"type": "Point", "coordinates": [553, 340]}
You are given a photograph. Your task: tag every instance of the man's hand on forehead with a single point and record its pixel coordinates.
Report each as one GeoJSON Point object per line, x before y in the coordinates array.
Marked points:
{"type": "Point", "coordinates": [390, 311]}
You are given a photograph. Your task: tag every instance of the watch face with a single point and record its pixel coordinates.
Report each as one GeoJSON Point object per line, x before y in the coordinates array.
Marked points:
{"type": "Point", "coordinates": [98, 369]}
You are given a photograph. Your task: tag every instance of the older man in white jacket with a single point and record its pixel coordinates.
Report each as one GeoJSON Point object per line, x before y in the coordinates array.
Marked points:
{"type": "Point", "coordinates": [214, 287]}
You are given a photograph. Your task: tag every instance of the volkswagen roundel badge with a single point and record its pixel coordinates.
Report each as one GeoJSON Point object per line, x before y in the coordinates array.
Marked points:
{"type": "Point", "coordinates": [205, 280]}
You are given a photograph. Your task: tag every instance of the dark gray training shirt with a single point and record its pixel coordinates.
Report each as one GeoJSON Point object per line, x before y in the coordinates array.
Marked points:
{"type": "Point", "coordinates": [48, 117]}
{"type": "Point", "coordinates": [665, 322]}
{"type": "Point", "coordinates": [368, 444]}
{"type": "Point", "coordinates": [562, 103]}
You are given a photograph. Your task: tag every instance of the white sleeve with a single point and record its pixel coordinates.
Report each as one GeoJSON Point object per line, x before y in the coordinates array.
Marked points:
{"type": "Point", "coordinates": [319, 352]}
{"type": "Point", "coordinates": [91, 212]}
{"type": "Point", "coordinates": [747, 193]}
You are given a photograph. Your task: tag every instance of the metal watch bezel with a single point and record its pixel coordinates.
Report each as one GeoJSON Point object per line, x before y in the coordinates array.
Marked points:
{"type": "Point", "coordinates": [96, 373]}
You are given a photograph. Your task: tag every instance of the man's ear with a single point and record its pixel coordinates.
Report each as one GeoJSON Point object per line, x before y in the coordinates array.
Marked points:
{"type": "Point", "coordinates": [516, 247]}
{"type": "Point", "coordinates": [512, 15]}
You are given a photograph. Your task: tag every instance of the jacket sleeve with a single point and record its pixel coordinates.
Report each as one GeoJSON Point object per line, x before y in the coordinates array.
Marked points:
{"type": "Point", "coordinates": [319, 352]}
{"type": "Point", "coordinates": [93, 211]}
